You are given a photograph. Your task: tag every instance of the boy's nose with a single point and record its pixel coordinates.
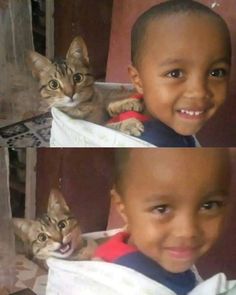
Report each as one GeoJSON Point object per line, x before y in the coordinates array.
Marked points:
{"type": "Point", "coordinates": [198, 88]}
{"type": "Point", "coordinates": [186, 227]}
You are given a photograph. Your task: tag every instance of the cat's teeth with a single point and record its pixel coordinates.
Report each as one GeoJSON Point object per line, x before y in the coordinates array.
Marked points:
{"type": "Point", "coordinates": [64, 248]}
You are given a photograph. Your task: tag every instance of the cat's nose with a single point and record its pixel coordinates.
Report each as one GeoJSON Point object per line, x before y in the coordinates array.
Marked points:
{"type": "Point", "coordinates": [69, 91]}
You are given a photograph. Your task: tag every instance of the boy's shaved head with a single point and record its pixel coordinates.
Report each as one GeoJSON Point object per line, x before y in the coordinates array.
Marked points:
{"type": "Point", "coordinates": [125, 158]}
{"type": "Point", "coordinates": [169, 8]}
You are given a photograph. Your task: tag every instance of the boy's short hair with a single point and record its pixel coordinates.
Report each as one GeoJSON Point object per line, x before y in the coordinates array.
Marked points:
{"type": "Point", "coordinates": [165, 9]}
{"type": "Point", "coordinates": [122, 157]}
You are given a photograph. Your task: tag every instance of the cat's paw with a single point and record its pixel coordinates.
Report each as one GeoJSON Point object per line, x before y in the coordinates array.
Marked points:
{"type": "Point", "coordinates": [131, 126]}
{"type": "Point", "coordinates": [124, 105]}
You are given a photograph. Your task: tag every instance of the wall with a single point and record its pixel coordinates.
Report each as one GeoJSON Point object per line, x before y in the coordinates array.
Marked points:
{"type": "Point", "coordinates": [220, 131]}
{"type": "Point", "coordinates": [84, 177]}
{"type": "Point", "coordinates": [90, 19]}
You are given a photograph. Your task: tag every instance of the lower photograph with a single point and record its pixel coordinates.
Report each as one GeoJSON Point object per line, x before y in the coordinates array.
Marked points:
{"type": "Point", "coordinates": [117, 221]}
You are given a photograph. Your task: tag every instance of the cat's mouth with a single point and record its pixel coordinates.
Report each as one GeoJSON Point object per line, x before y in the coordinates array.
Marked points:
{"type": "Point", "coordinates": [64, 248]}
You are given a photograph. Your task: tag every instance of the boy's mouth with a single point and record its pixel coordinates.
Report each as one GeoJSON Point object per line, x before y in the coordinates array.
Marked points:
{"type": "Point", "coordinates": [191, 114]}
{"type": "Point", "coordinates": [183, 253]}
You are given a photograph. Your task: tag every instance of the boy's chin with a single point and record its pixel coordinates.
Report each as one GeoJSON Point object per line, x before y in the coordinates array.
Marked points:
{"type": "Point", "coordinates": [186, 131]}
{"type": "Point", "coordinates": [177, 268]}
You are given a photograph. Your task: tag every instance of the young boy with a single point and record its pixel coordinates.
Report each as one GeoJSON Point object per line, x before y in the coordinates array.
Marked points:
{"type": "Point", "coordinates": [174, 203]}
{"type": "Point", "coordinates": [181, 56]}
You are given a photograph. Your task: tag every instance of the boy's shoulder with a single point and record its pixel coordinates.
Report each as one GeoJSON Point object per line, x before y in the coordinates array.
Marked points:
{"type": "Point", "coordinates": [114, 248]}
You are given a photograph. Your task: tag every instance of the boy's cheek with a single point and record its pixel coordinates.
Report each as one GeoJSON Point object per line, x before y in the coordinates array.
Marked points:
{"type": "Point", "coordinates": [221, 93]}
{"type": "Point", "coordinates": [214, 230]}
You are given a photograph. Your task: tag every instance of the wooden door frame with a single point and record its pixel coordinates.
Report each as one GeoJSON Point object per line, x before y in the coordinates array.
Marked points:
{"type": "Point", "coordinates": [50, 29]}
{"type": "Point", "coordinates": [30, 183]}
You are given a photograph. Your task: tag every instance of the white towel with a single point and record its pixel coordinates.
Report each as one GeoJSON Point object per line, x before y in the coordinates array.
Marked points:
{"type": "Point", "coordinates": [68, 132]}
{"type": "Point", "coordinates": [98, 277]}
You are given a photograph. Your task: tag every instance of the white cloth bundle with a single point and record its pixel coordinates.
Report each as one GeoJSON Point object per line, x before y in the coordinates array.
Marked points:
{"type": "Point", "coordinates": [68, 132]}
{"type": "Point", "coordinates": [97, 277]}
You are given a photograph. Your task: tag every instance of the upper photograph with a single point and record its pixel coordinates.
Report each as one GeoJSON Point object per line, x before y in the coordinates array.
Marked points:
{"type": "Point", "coordinates": [117, 73]}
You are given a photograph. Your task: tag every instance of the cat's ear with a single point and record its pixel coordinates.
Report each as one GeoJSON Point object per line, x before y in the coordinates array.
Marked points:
{"type": "Point", "coordinates": [78, 50]}
{"type": "Point", "coordinates": [57, 203]}
{"type": "Point", "coordinates": [37, 63]}
{"type": "Point", "coordinates": [22, 227]}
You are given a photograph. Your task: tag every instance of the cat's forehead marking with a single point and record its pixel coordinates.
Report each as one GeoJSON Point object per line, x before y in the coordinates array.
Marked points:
{"type": "Point", "coordinates": [50, 229]}
{"type": "Point", "coordinates": [46, 220]}
{"type": "Point", "coordinates": [62, 69]}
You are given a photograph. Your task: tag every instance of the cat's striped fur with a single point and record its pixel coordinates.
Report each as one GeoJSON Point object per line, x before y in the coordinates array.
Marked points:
{"type": "Point", "coordinates": [69, 86]}
{"type": "Point", "coordinates": [56, 234]}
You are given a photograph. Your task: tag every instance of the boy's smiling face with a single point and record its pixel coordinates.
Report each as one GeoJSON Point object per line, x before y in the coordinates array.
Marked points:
{"type": "Point", "coordinates": [183, 70]}
{"type": "Point", "coordinates": [174, 203]}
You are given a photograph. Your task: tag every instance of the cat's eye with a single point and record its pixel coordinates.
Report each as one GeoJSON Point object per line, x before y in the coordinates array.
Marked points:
{"type": "Point", "coordinates": [42, 237]}
{"type": "Point", "coordinates": [54, 84]}
{"type": "Point", "coordinates": [78, 78]}
{"type": "Point", "coordinates": [61, 224]}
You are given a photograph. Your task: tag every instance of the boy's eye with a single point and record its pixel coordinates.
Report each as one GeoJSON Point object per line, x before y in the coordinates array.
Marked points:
{"type": "Point", "coordinates": [212, 205]}
{"type": "Point", "coordinates": [162, 209]}
{"type": "Point", "coordinates": [175, 74]}
{"type": "Point", "coordinates": [218, 73]}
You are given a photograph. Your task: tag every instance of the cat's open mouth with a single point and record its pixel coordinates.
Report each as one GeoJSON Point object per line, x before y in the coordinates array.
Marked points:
{"type": "Point", "coordinates": [64, 248]}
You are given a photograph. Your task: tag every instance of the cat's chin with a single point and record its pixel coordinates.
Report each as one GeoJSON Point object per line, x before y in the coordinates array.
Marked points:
{"type": "Point", "coordinates": [72, 104]}
{"type": "Point", "coordinates": [67, 104]}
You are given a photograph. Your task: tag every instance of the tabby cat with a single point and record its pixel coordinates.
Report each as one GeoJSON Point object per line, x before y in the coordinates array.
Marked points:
{"type": "Point", "coordinates": [56, 234]}
{"type": "Point", "coordinates": [69, 86]}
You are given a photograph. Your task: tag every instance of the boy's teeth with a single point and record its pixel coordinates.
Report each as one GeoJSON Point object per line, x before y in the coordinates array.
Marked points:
{"type": "Point", "coordinates": [191, 113]}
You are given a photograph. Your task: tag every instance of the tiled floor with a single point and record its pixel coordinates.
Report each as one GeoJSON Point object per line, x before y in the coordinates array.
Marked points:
{"type": "Point", "coordinates": [30, 275]}
{"type": "Point", "coordinates": [33, 132]}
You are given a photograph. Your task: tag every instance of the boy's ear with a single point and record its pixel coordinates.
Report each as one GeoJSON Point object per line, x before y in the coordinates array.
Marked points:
{"type": "Point", "coordinates": [135, 78]}
{"type": "Point", "coordinates": [119, 204]}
